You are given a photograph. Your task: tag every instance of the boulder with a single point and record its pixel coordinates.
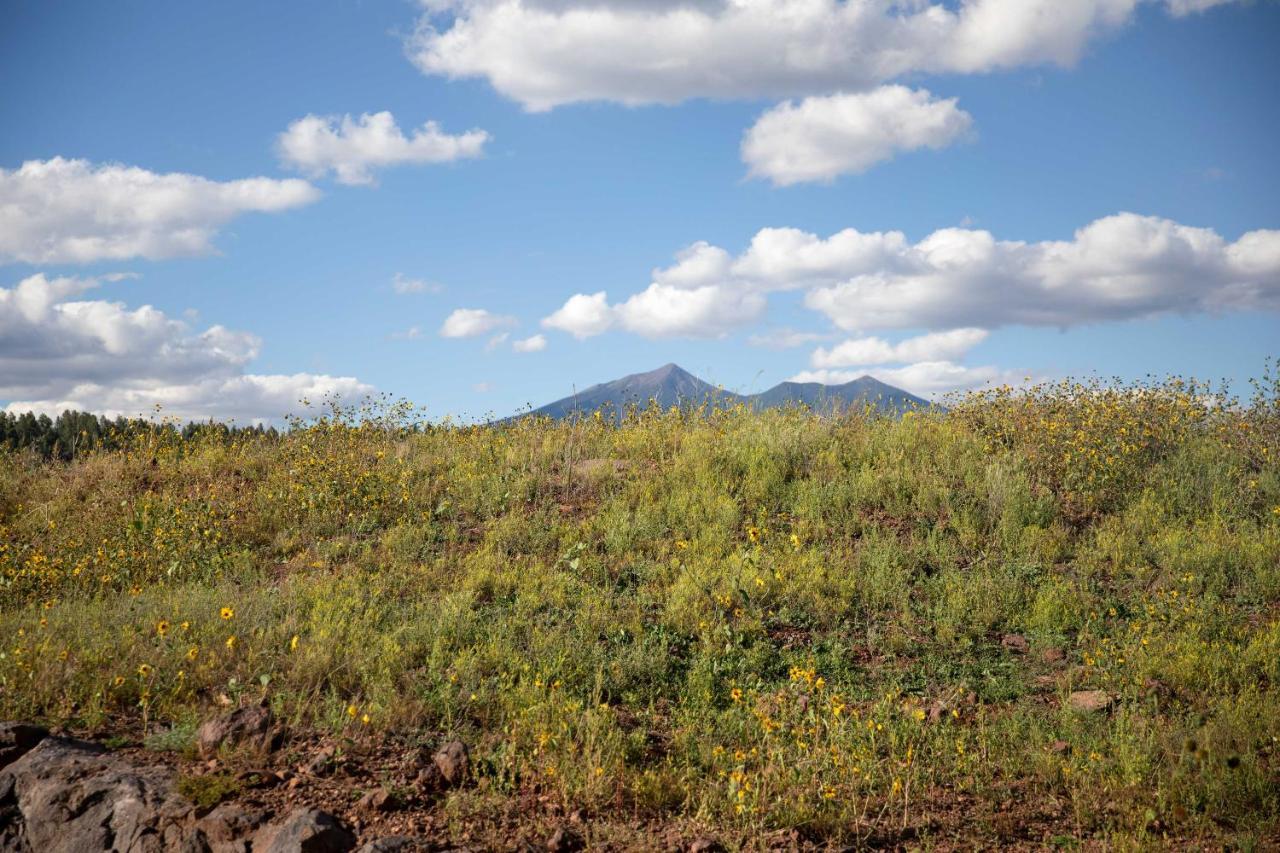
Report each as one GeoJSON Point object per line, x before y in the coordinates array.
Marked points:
{"type": "Point", "coordinates": [17, 739]}
{"type": "Point", "coordinates": [304, 831]}
{"type": "Point", "coordinates": [227, 829]}
{"type": "Point", "coordinates": [453, 762]}
{"type": "Point", "coordinates": [250, 727]}
{"type": "Point", "coordinates": [564, 841]}
{"type": "Point", "coordinates": [379, 800]}
{"type": "Point", "coordinates": [67, 796]}
{"type": "Point", "coordinates": [1015, 643]}
{"type": "Point", "coordinates": [1090, 701]}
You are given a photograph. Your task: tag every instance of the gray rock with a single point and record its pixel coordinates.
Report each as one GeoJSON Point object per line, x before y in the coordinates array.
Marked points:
{"type": "Point", "coordinates": [16, 739]}
{"type": "Point", "coordinates": [393, 844]}
{"type": "Point", "coordinates": [228, 828]}
{"type": "Point", "coordinates": [453, 762]}
{"type": "Point", "coordinates": [304, 831]}
{"type": "Point", "coordinates": [66, 796]}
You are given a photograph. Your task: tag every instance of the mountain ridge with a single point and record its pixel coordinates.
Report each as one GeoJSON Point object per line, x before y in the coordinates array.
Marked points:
{"type": "Point", "coordinates": [672, 385]}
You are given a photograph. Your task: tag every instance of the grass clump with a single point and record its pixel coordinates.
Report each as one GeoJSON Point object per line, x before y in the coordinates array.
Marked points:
{"type": "Point", "coordinates": [861, 627]}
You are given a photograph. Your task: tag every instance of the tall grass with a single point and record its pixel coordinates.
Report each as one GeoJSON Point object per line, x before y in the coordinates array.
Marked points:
{"type": "Point", "coordinates": [753, 620]}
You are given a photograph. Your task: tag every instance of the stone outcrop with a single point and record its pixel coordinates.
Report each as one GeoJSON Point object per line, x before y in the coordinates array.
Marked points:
{"type": "Point", "coordinates": [59, 795]}
{"type": "Point", "coordinates": [68, 796]}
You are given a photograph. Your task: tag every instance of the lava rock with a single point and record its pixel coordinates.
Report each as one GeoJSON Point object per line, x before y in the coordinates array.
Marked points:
{"type": "Point", "coordinates": [304, 831]}
{"type": "Point", "coordinates": [68, 796]}
{"type": "Point", "coordinates": [17, 739]}
{"type": "Point", "coordinates": [453, 762]}
{"type": "Point", "coordinates": [1090, 701]}
{"type": "Point", "coordinates": [252, 727]}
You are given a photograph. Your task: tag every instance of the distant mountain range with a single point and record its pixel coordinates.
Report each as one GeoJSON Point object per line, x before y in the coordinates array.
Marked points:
{"type": "Point", "coordinates": [672, 385]}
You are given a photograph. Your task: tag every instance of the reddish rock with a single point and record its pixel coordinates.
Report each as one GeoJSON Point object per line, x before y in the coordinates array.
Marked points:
{"type": "Point", "coordinates": [453, 762]}
{"type": "Point", "coordinates": [1090, 701]}
{"type": "Point", "coordinates": [251, 727]}
{"type": "Point", "coordinates": [1014, 643]}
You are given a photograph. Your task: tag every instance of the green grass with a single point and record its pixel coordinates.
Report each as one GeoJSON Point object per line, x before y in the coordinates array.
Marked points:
{"type": "Point", "coordinates": [758, 621]}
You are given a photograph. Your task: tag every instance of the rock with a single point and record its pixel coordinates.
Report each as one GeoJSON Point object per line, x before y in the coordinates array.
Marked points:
{"type": "Point", "coordinates": [72, 796]}
{"type": "Point", "coordinates": [1053, 655]}
{"type": "Point", "coordinates": [379, 800]}
{"type": "Point", "coordinates": [17, 739]}
{"type": "Point", "coordinates": [320, 763]}
{"type": "Point", "coordinates": [1060, 747]}
{"type": "Point", "coordinates": [563, 841]}
{"type": "Point", "coordinates": [393, 844]}
{"type": "Point", "coordinates": [251, 727]}
{"type": "Point", "coordinates": [705, 845]}
{"type": "Point", "coordinates": [453, 762]}
{"type": "Point", "coordinates": [303, 831]}
{"type": "Point", "coordinates": [1014, 643]}
{"type": "Point", "coordinates": [1090, 701]}
{"type": "Point", "coordinates": [227, 828]}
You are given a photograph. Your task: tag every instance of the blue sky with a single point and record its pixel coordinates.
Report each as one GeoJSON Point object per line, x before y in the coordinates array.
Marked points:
{"type": "Point", "coordinates": [594, 172]}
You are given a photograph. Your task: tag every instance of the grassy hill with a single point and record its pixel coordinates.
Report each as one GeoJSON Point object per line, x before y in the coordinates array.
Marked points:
{"type": "Point", "coordinates": [863, 629]}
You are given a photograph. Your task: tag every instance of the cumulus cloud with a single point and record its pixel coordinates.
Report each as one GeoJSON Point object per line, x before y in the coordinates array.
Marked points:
{"type": "Point", "coordinates": [583, 315]}
{"type": "Point", "coordinates": [544, 53]}
{"type": "Point", "coordinates": [72, 211]}
{"type": "Point", "coordinates": [661, 311]}
{"type": "Point", "coordinates": [353, 148]}
{"type": "Point", "coordinates": [59, 351]}
{"type": "Point", "coordinates": [1119, 267]}
{"type": "Point", "coordinates": [928, 379]}
{"type": "Point", "coordinates": [823, 137]}
{"type": "Point", "coordinates": [533, 343]}
{"type": "Point", "coordinates": [404, 285]}
{"type": "Point", "coordinates": [933, 347]}
{"type": "Point", "coordinates": [472, 322]}
{"type": "Point", "coordinates": [1116, 268]}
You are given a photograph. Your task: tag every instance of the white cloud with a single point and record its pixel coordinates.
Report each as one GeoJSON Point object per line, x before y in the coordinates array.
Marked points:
{"type": "Point", "coordinates": [496, 341]}
{"type": "Point", "coordinates": [533, 343]}
{"type": "Point", "coordinates": [353, 148]}
{"type": "Point", "coordinates": [928, 379]}
{"type": "Point", "coordinates": [823, 137]}
{"type": "Point", "coordinates": [664, 311]}
{"type": "Point", "coordinates": [1119, 267]}
{"type": "Point", "coordinates": [933, 347]}
{"type": "Point", "coordinates": [71, 211]}
{"type": "Point", "coordinates": [471, 322]}
{"type": "Point", "coordinates": [404, 285]}
{"type": "Point", "coordinates": [661, 311]}
{"type": "Point", "coordinates": [58, 351]}
{"type": "Point", "coordinates": [544, 53]}
{"type": "Point", "coordinates": [583, 315]}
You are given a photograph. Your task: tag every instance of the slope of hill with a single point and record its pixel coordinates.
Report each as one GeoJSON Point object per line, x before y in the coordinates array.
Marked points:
{"type": "Point", "coordinates": [672, 385]}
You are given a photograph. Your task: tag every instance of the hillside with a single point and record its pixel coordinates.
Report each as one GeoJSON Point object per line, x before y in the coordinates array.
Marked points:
{"type": "Point", "coordinates": [1049, 618]}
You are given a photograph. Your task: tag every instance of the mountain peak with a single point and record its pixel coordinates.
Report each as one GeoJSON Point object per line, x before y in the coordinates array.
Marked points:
{"type": "Point", "coordinates": [672, 385]}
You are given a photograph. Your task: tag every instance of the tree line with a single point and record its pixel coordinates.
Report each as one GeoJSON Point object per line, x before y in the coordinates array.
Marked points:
{"type": "Point", "coordinates": [75, 433]}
